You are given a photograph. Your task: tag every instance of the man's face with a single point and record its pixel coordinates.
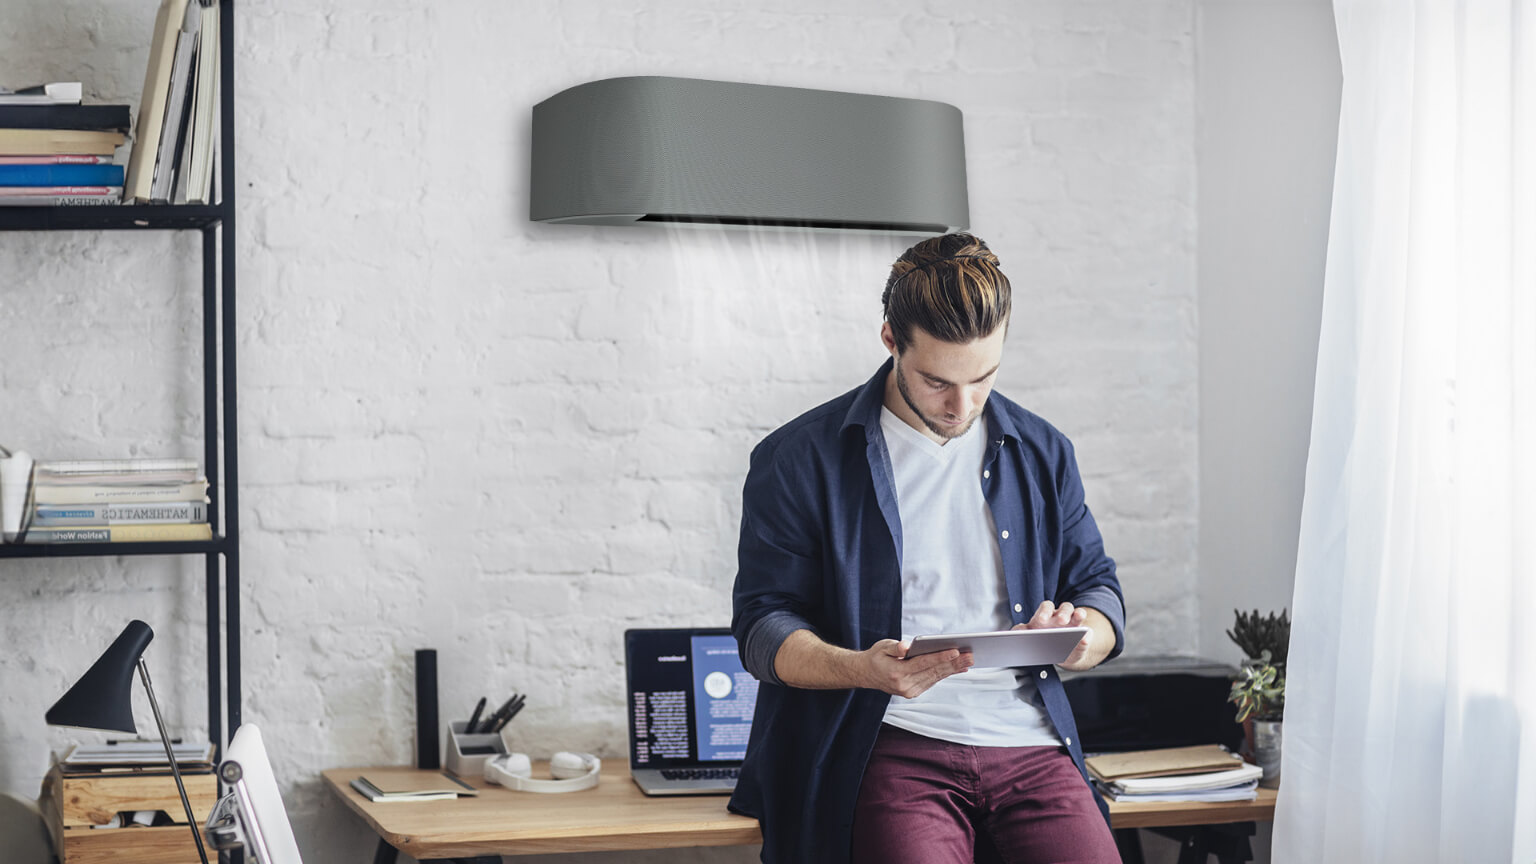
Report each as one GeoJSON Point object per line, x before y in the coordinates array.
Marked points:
{"type": "Point", "coordinates": [939, 388]}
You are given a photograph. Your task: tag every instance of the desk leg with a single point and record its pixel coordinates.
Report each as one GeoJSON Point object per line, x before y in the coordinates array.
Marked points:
{"type": "Point", "coordinates": [387, 854]}
{"type": "Point", "coordinates": [1228, 842]}
{"type": "Point", "coordinates": [1128, 842]}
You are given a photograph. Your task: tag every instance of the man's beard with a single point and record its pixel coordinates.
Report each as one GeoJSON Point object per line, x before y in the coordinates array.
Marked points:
{"type": "Point", "coordinates": [946, 432]}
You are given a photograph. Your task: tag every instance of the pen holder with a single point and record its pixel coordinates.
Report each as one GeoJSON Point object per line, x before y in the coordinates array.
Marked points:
{"type": "Point", "coordinates": [467, 754]}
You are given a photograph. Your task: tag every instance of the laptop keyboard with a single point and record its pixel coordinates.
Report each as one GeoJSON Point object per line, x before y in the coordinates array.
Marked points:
{"type": "Point", "coordinates": [700, 773]}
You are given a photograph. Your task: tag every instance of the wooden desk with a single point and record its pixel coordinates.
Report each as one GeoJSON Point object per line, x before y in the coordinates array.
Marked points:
{"type": "Point", "coordinates": [617, 816]}
{"type": "Point", "coordinates": [1171, 814]}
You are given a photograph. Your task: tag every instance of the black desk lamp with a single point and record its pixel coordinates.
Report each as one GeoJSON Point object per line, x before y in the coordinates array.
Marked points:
{"type": "Point", "coordinates": [103, 699]}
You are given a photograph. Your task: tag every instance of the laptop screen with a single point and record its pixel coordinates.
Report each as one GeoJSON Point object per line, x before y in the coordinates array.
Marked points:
{"type": "Point", "coordinates": [690, 700]}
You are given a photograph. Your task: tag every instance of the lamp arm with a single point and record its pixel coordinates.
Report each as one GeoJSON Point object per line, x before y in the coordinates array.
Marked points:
{"type": "Point", "coordinates": [171, 755]}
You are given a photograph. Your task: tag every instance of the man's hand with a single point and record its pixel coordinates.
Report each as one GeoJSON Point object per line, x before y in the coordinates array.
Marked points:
{"type": "Point", "coordinates": [804, 660]}
{"type": "Point", "coordinates": [1093, 647]}
{"type": "Point", "coordinates": [888, 670]}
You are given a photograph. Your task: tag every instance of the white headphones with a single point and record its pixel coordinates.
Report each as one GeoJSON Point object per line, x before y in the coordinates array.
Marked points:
{"type": "Point", "coordinates": [572, 772]}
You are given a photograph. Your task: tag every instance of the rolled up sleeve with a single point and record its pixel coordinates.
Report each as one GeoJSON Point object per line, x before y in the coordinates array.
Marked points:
{"type": "Point", "coordinates": [779, 573]}
{"type": "Point", "coordinates": [1087, 572]}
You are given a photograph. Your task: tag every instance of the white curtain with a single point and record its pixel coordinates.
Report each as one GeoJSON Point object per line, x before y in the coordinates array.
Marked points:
{"type": "Point", "coordinates": [1410, 723]}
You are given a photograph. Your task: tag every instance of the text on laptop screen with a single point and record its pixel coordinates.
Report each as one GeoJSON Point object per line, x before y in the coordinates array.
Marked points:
{"type": "Point", "coordinates": [690, 700]}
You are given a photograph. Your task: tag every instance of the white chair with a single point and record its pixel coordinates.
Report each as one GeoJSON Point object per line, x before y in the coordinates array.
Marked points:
{"type": "Point", "coordinates": [251, 815]}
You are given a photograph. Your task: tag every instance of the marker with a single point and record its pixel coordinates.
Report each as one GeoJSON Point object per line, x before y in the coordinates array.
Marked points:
{"type": "Point", "coordinates": [510, 714]}
{"type": "Point", "coordinates": [490, 722]}
{"type": "Point", "coordinates": [469, 728]}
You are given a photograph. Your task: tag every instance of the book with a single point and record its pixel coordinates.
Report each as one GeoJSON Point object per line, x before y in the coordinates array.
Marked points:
{"type": "Point", "coordinates": [409, 784]}
{"type": "Point", "coordinates": [141, 478]}
{"type": "Point", "coordinates": [59, 468]}
{"type": "Point", "coordinates": [1246, 792]}
{"type": "Point", "coordinates": [52, 196]}
{"type": "Point", "coordinates": [157, 88]}
{"type": "Point", "coordinates": [1163, 762]}
{"type": "Point", "coordinates": [109, 117]}
{"type": "Point", "coordinates": [66, 515]}
{"type": "Point", "coordinates": [29, 142]}
{"type": "Point", "coordinates": [62, 92]}
{"type": "Point", "coordinates": [57, 159]}
{"type": "Point", "coordinates": [99, 493]}
{"type": "Point", "coordinates": [1244, 775]}
{"type": "Point", "coordinates": [148, 533]}
{"type": "Point", "coordinates": [197, 185]}
{"type": "Point", "coordinates": [178, 103]}
{"type": "Point", "coordinates": [60, 175]}
{"type": "Point", "coordinates": [136, 753]}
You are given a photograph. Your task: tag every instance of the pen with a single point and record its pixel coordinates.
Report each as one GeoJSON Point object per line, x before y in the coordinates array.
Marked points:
{"type": "Point", "coordinates": [474, 717]}
{"type": "Point", "coordinates": [490, 722]}
{"type": "Point", "coordinates": [510, 714]}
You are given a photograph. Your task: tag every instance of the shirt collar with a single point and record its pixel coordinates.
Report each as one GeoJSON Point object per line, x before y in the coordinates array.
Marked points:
{"type": "Point", "coordinates": [865, 410]}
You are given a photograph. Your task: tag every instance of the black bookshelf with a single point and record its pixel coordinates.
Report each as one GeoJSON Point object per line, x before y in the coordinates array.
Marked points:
{"type": "Point", "coordinates": [127, 217]}
{"type": "Point", "coordinates": [221, 555]}
{"type": "Point", "coordinates": [216, 546]}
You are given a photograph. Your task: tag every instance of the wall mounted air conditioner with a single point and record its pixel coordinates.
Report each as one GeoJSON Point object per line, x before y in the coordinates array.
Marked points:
{"type": "Point", "coordinates": [645, 150]}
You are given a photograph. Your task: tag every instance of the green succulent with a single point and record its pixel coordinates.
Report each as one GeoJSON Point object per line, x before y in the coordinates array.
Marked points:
{"type": "Point", "coordinates": [1260, 693]}
{"type": "Point", "coordinates": [1266, 636]}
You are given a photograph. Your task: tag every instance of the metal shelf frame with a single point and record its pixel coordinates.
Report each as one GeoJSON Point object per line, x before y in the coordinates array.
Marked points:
{"type": "Point", "coordinates": [216, 224]}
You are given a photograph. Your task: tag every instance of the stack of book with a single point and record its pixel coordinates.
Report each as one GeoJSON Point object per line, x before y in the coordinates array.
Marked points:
{"type": "Point", "coordinates": [118, 500]}
{"type": "Point", "coordinates": [1204, 773]}
{"type": "Point", "coordinates": [56, 151]}
{"type": "Point", "coordinates": [173, 140]}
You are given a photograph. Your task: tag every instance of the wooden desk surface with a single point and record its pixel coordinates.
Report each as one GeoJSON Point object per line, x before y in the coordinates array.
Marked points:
{"type": "Point", "coordinates": [617, 815]}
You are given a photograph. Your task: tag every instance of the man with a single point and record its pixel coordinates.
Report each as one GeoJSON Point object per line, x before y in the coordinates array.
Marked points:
{"type": "Point", "coordinates": [921, 502]}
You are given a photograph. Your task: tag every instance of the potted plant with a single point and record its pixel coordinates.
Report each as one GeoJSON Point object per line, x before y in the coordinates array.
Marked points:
{"type": "Point", "coordinates": [1259, 691]}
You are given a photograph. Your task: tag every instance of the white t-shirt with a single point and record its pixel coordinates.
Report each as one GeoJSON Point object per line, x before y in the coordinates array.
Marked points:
{"type": "Point", "coordinates": [952, 582]}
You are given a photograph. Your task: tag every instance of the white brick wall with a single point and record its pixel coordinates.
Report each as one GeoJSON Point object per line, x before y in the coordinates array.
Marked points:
{"type": "Point", "coordinates": [511, 441]}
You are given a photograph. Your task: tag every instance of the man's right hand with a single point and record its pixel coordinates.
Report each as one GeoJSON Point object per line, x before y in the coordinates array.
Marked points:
{"type": "Point", "coordinates": [804, 660]}
{"type": "Point", "coordinates": [890, 671]}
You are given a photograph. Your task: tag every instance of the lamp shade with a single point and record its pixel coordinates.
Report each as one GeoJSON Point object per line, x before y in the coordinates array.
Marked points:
{"type": "Point", "coordinates": [103, 697]}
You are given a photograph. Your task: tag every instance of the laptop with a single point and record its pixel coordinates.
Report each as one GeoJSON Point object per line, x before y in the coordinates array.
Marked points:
{"type": "Point", "coordinates": [690, 710]}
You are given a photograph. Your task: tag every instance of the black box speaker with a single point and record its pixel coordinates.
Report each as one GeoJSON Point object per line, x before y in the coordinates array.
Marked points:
{"type": "Point", "coordinates": [1143, 703]}
{"type": "Point", "coordinates": [426, 710]}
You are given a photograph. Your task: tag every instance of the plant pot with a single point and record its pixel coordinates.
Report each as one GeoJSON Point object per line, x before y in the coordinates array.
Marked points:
{"type": "Point", "coordinates": [1265, 745]}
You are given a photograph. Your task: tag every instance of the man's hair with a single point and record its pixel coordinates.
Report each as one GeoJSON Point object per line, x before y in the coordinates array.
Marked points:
{"type": "Point", "coordinates": [950, 287]}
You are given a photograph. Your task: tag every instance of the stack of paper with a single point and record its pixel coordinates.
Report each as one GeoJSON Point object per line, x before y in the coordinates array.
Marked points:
{"type": "Point", "coordinates": [1204, 773]}
{"type": "Point", "coordinates": [137, 754]}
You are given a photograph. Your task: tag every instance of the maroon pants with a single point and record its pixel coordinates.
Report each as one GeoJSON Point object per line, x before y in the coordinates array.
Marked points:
{"type": "Point", "coordinates": [933, 802]}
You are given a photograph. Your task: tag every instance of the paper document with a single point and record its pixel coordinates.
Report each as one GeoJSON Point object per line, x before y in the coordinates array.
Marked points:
{"type": "Point", "coordinates": [137, 753]}
{"type": "Point", "coordinates": [1163, 762]}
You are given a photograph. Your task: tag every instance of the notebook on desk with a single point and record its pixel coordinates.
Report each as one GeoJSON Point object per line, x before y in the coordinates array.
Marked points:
{"type": "Point", "coordinates": [690, 710]}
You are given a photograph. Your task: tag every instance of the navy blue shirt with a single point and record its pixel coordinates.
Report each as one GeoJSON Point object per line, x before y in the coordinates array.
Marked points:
{"type": "Point", "coordinates": [821, 550]}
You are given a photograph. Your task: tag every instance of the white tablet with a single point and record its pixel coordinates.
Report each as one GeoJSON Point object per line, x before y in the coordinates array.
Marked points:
{"type": "Point", "coordinates": [1006, 647]}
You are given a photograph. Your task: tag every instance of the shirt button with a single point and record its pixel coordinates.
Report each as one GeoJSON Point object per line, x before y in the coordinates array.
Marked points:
{"type": "Point", "coordinates": [1018, 607]}
{"type": "Point", "coordinates": [1005, 534]}
{"type": "Point", "coordinates": [986, 474]}
{"type": "Point", "coordinates": [1069, 742]}
{"type": "Point", "coordinates": [1042, 673]}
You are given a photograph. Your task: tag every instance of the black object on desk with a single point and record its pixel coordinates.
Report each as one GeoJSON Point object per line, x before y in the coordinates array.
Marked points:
{"type": "Point", "coordinates": [1145, 703]}
{"type": "Point", "coordinates": [427, 742]}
